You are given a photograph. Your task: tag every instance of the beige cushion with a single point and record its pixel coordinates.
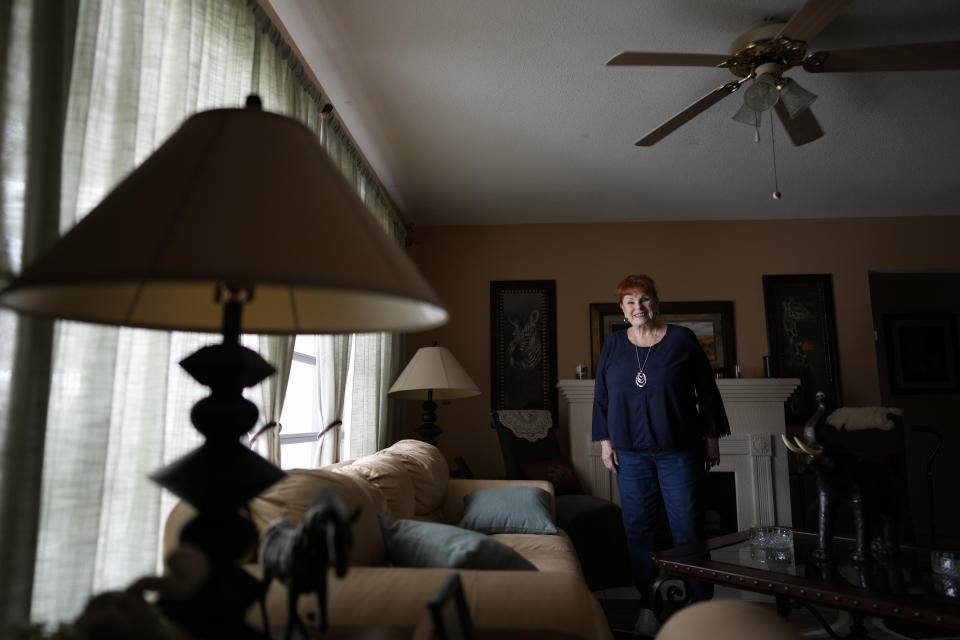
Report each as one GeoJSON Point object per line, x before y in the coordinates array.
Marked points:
{"type": "Point", "coordinates": [550, 553]}
{"type": "Point", "coordinates": [390, 476]}
{"type": "Point", "coordinates": [290, 498]}
{"type": "Point", "coordinates": [428, 470]}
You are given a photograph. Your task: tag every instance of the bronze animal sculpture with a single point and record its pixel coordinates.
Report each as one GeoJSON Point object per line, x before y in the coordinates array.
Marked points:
{"type": "Point", "coordinates": [299, 555]}
{"type": "Point", "coordinates": [856, 467]}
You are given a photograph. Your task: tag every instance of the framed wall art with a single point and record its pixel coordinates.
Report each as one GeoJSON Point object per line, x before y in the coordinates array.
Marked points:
{"type": "Point", "coordinates": [523, 344]}
{"type": "Point", "coordinates": [802, 340]}
{"type": "Point", "coordinates": [712, 322]}
{"type": "Point", "coordinates": [605, 318]}
{"type": "Point", "coordinates": [922, 353]}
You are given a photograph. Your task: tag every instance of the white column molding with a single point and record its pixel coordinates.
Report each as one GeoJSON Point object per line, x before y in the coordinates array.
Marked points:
{"type": "Point", "coordinates": [585, 456]}
{"type": "Point", "coordinates": [761, 464]}
{"type": "Point", "coordinates": [757, 389]}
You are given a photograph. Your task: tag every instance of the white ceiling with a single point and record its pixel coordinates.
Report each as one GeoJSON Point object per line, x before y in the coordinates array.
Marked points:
{"type": "Point", "coordinates": [503, 111]}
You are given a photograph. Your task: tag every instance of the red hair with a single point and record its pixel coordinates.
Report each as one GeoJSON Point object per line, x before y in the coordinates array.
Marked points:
{"type": "Point", "coordinates": [637, 284]}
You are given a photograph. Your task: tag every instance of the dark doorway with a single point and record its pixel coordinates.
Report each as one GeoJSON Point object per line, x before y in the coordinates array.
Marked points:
{"type": "Point", "coordinates": [894, 297]}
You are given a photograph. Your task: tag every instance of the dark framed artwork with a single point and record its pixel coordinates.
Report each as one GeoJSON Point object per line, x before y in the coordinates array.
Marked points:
{"type": "Point", "coordinates": [922, 353]}
{"type": "Point", "coordinates": [523, 344]}
{"type": "Point", "coordinates": [802, 340]}
{"type": "Point", "coordinates": [605, 318]}
{"type": "Point", "coordinates": [712, 322]}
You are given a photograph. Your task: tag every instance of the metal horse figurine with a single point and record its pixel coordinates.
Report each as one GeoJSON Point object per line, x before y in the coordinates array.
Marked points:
{"type": "Point", "coordinates": [855, 466]}
{"type": "Point", "coordinates": [299, 555]}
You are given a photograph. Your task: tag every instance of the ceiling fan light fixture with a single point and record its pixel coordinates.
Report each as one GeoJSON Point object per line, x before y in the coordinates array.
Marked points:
{"type": "Point", "coordinates": [795, 98]}
{"type": "Point", "coordinates": [763, 93]}
{"type": "Point", "coordinates": [747, 116]}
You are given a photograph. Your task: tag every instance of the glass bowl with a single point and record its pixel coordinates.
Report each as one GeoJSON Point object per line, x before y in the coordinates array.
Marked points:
{"type": "Point", "coordinates": [945, 563]}
{"type": "Point", "coordinates": [771, 537]}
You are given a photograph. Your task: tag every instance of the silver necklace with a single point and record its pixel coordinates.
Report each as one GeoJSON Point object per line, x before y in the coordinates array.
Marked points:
{"type": "Point", "coordinates": [641, 378]}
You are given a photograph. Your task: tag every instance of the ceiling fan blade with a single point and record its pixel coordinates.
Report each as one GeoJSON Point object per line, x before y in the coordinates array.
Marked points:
{"type": "Point", "coordinates": [689, 113]}
{"type": "Point", "coordinates": [637, 58]}
{"type": "Point", "coordinates": [812, 17]}
{"type": "Point", "coordinates": [921, 56]}
{"type": "Point", "coordinates": [803, 128]}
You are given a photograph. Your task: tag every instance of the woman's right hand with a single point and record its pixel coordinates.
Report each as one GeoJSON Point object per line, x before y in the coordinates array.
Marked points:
{"type": "Point", "coordinates": [609, 456]}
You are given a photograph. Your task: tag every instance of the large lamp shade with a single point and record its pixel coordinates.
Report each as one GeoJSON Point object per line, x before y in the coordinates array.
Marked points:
{"type": "Point", "coordinates": [433, 369]}
{"type": "Point", "coordinates": [236, 196]}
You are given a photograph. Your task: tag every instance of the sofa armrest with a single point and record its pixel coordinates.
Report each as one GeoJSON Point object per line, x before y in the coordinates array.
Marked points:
{"type": "Point", "coordinates": [458, 488]}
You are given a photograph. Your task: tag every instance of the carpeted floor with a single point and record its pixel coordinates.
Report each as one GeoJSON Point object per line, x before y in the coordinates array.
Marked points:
{"type": "Point", "coordinates": [622, 609]}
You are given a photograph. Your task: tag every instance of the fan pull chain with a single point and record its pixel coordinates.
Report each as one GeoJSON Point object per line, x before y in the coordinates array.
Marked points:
{"type": "Point", "coordinates": [773, 148]}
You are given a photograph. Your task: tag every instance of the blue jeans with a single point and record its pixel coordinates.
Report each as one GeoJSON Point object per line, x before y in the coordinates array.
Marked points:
{"type": "Point", "coordinates": [676, 476]}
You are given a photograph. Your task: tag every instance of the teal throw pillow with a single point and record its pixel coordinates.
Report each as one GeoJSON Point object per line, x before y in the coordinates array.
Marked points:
{"type": "Point", "coordinates": [412, 543]}
{"type": "Point", "coordinates": [512, 509]}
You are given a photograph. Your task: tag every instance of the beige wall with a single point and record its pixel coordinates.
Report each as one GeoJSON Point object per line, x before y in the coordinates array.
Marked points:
{"type": "Point", "coordinates": [689, 261]}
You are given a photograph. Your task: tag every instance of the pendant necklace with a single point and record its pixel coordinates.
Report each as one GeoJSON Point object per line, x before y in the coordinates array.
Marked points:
{"type": "Point", "coordinates": [641, 378]}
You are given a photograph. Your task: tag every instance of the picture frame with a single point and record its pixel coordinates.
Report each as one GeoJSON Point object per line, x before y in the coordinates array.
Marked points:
{"type": "Point", "coordinates": [605, 319]}
{"type": "Point", "coordinates": [711, 321]}
{"type": "Point", "coordinates": [922, 353]}
{"type": "Point", "coordinates": [523, 345]}
{"type": "Point", "coordinates": [450, 612]}
{"type": "Point", "coordinates": [802, 340]}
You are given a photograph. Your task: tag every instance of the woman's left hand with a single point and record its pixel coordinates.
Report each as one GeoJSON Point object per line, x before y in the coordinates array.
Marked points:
{"type": "Point", "coordinates": [713, 453]}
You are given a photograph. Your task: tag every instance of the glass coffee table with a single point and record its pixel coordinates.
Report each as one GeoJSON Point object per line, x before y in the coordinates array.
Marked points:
{"type": "Point", "coordinates": [902, 588]}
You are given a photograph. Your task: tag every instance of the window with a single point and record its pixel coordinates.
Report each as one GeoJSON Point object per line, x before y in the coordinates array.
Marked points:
{"type": "Point", "coordinates": [300, 416]}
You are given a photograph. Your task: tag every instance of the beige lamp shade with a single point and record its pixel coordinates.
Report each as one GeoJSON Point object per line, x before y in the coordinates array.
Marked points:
{"type": "Point", "coordinates": [236, 197]}
{"type": "Point", "coordinates": [433, 369]}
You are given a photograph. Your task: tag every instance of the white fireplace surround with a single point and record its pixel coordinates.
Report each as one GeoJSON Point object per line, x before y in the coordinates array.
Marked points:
{"type": "Point", "coordinates": [753, 451]}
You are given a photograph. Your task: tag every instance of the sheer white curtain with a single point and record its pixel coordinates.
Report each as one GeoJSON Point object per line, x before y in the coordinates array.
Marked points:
{"type": "Point", "coordinates": [366, 404]}
{"type": "Point", "coordinates": [118, 403]}
{"type": "Point", "coordinates": [355, 372]}
{"type": "Point", "coordinates": [332, 372]}
{"type": "Point", "coordinates": [103, 407]}
{"type": "Point", "coordinates": [383, 351]}
{"type": "Point", "coordinates": [35, 49]}
{"type": "Point", "coordinates": [278, 351]}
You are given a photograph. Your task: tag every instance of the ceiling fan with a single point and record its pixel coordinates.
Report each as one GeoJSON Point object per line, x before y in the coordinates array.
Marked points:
{"type": "Point", "coordinates": [768, 49]}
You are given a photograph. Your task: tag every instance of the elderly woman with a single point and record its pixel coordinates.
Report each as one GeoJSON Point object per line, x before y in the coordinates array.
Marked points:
{"type": "Point", "coordinates": [657, 413]}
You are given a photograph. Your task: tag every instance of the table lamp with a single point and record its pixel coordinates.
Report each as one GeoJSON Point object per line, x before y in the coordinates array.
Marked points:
{"type": "Point", "coordinates": [432, 374]}
{"type": "Point", "coordinates": [239, 222]}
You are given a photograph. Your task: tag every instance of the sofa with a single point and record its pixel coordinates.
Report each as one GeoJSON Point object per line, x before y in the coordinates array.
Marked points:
{"type": "Point", "coordinates": [518, 571]}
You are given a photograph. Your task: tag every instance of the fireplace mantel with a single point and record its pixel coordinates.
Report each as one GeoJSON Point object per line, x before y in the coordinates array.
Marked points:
{"type": "Point", "coordinates": [753, 451]}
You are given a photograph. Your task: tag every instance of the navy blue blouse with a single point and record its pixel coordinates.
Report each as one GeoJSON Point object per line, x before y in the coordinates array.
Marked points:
{"type": "Point", "coordinates": [679, 406]}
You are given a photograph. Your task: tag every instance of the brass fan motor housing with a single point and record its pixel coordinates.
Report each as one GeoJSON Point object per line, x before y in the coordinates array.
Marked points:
{"type": "Point", "coordinates": [779, 50]}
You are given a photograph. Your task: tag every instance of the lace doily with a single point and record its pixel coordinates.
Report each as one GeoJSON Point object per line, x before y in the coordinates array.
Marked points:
{"type": "Point", "coordinates": [851, 418]}
{"type": "Point", "coordinates": [529, 424]}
